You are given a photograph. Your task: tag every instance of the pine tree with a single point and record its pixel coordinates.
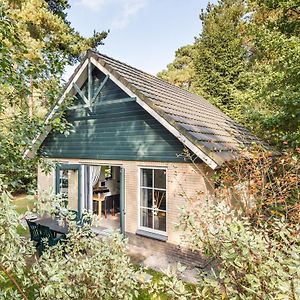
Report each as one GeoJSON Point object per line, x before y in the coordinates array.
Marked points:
{"type": "Point", "coordinates": [181, 71]}
{"type": "Point", "coordinates": [220, 53]}
{"type": "Point", "coordinates": [271, 101]}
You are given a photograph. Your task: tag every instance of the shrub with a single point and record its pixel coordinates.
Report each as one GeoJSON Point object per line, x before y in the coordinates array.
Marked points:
{"type": "Point", "coordinates": [270, 183]}
{"type": "Point", "coordinates": [260, 262]}
{"type": "Point", "coordinates": [82, 267]}
{"type": "Point", "coordinates": [14, 249]}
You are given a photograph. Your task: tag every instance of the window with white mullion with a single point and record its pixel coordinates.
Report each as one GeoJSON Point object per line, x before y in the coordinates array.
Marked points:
{"type": "Point", "coordinates": [153, 199]}
{"type": "Point", "coordinates": [150, 208]}
{"type": "Point", "coordinates": [160, 210]}
{"type": "Point", "coordinates": [150, 188]}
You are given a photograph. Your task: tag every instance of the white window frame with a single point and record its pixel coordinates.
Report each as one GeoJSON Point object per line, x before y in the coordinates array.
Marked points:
{"type": "Point", "coordinates": [164, 233]}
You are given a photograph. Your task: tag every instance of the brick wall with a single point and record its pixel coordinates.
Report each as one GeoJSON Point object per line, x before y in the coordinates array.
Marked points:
{"type": "Point", "coordinates": [184, 180]}
{"type": "Point", "coordinates": [174, 253]}
{"type": "Point", "coordinates": [45, 182]}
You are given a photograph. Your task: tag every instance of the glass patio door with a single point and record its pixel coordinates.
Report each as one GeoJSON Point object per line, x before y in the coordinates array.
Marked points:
{"type": "Point", "coordinates": [68, 184]}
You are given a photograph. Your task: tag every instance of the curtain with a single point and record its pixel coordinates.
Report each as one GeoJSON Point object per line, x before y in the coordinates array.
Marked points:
{"type": "Point", "coordinates": [91, 175]}
{"type": "Point", "coordinates": [95, 172]}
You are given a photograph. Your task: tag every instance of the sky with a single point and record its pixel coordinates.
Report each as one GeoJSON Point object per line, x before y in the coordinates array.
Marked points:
{"type": "Point", "coordinates": [143, 33]}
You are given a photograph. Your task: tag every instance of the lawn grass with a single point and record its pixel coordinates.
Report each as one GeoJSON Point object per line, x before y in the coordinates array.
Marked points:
{"type": "Point", "coordinates": [22, 204]}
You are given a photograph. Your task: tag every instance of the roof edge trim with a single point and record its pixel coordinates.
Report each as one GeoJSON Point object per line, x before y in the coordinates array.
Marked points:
{"type": "Point", "coordinates": [30, 151]}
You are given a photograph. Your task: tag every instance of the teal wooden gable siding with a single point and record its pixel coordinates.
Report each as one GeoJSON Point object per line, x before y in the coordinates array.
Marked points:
{"type": "Point", "coordinates": [117, 128]}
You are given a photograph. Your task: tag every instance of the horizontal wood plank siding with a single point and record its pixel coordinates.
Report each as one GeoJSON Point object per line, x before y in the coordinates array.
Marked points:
{"type": "Point", "coordinates": [113, 131]}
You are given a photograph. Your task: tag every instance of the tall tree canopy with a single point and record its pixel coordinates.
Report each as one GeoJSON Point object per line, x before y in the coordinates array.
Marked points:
{"type": "Point", "coordinates": [36, 43]}
{"type": "Point", "coordinates": [212, 65]}
{"type": "Point", "coordinates": [246, 61]}
{"type": "Point", "coordinates": [51, 42]}
{"type": "Point", "coordinates": [271, 100]}
{"type": "Point", "coordinates": [220, 53]}
{"type": "Point", "coordinates": [181, 71]}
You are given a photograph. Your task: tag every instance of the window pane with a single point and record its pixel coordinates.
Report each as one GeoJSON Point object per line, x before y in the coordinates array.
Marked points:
{"type": "Point", "coordinates": [108, 172]}
{"type": "Point", "coordinates": [146, 218]}
{"type": "Point", "coordinates": [64, 176]}
{"type": "Point", "coordinates": [160, 199]}
{"type": "Point", "coordinates": [146, 197]}
{"type": "Point", "coordinates": [160, 179]}
{"type": "Point", "coordinates": [160, 220]}
{"type": "Point", "coordinates": [64, 183]}
{"type": "Point", "coordinates": [146, 177]}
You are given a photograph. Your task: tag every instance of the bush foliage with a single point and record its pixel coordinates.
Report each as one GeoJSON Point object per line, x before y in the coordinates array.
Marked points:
{"type": "Point", "coordinates": [265, 185]}
{"type": "Point", "coordinates": [248, 259]}
{"type": "Point", "coordinates": [260, 262]}
{"type": "Point", "coordinates": [82, 267]}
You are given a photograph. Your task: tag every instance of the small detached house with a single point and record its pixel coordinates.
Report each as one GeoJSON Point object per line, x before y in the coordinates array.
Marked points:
{"type": "Point", "coordinates": [123, 157]}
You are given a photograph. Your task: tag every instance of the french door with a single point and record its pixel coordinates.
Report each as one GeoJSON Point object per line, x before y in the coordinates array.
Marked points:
{"type": "Point", "coordinates": [73, 182]}
{"type": "Point", "coordinates": [68, 183]}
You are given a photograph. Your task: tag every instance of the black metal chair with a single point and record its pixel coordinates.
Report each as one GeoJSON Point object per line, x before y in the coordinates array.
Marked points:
{"type": "Point", "coordinates": [111, 205]}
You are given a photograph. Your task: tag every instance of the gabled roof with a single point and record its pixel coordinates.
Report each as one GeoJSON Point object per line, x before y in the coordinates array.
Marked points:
{"type": "Point", "coordinates": [203, 124]}
{"type": "Point", "coordinates": [199, 125]}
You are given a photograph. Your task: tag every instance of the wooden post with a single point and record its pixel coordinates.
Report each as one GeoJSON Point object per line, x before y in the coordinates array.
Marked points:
{"type": "Point", "coordinates": [90, 82]}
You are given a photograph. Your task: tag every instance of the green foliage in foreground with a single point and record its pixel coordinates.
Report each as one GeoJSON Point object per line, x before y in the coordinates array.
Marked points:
{"type": "Point", "coordinates": [259, 262]}
{"type": "Point", "coordinates": [82, 267]}
{"type": "Point", "coordinates": [249, 262]}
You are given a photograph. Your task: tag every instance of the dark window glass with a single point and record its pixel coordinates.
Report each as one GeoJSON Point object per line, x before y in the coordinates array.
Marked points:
{"type": "Point", "coordinates": [146, 217]}
{"type": "Point", "coordinates": [160, 179]}
{"type": "Point", "coordinates": [146, 197]}
{"type": "Point", "coordinates": [146, 177]}
{"type": "Point", "coordinates": [160, 220]}
{"type": "Point", "coordinates": [160, 199]}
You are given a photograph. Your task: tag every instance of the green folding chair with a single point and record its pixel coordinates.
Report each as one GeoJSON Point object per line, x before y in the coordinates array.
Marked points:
{"type": "Point", "coordinates": [34, 231]}
{"type": "Point", "coordinates": [47, 238]}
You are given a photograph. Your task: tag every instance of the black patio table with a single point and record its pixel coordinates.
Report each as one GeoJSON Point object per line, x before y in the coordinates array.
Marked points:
{"type": "Point", "coordinates": [53, 224]}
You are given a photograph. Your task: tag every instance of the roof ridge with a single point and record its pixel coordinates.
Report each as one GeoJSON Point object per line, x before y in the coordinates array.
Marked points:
{"type": "Point", "coordinates": [156, 78]}
{"type": "Point", "coordinates": [121, 62]}
{"type": "Point", "coordinates": [194, 121]}
{"type": "Point", "coordinates": [183, 112]}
